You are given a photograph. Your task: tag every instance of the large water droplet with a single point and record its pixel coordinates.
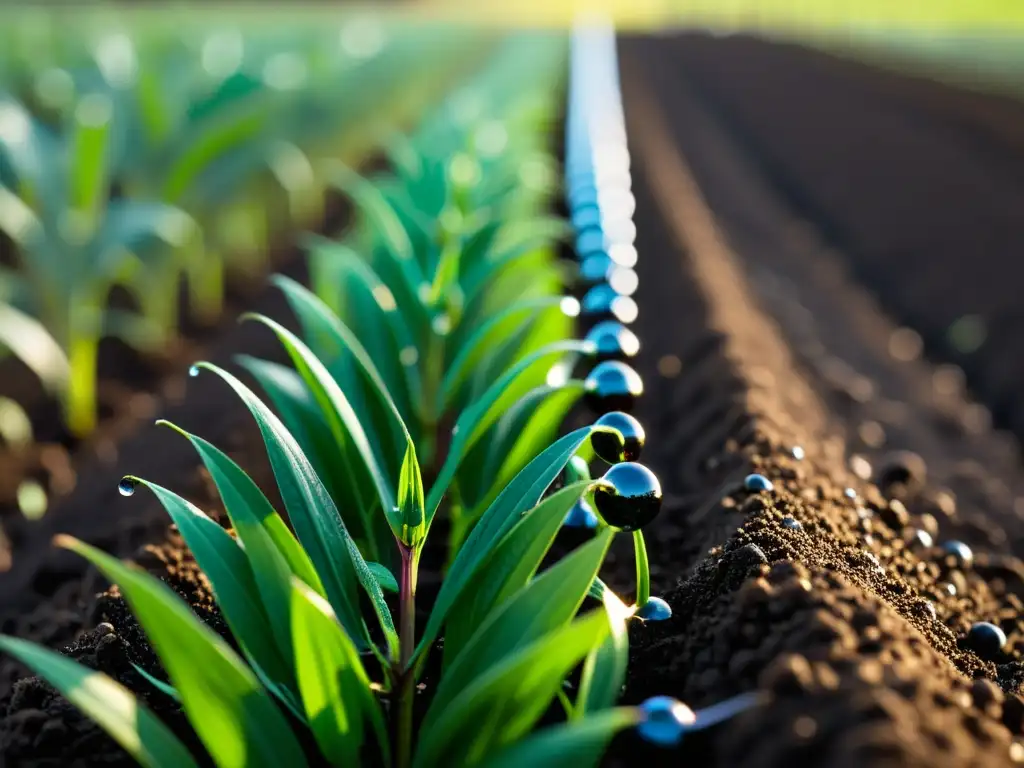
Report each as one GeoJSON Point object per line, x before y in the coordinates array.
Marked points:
{"type": "Point", "coordinates": [985, 639]}
{"type": "Point", "coordinates": [655, 609]}
{"type": "Point", "coordinates": [193, 371]}
{"type": "Point", "coordinates": [613, 386]}
{"type": "Point", "coordinates": [665, 720]}
{"type": "Point", "coordinates": [625, 444]}
{"type": "Point", "coordinates": [628, 496]}
{"type": "Point", "coordinates": [757, 483]}
{"type": "Point", "coordinates": [614, 341]}
{"type": "Point", "coordinates": [127, 486]}
{"type": "Point", "coordinates": [581, 516]}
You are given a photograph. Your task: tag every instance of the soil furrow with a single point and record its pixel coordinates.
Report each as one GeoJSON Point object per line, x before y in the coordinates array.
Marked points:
{"type": "Point", "coordinates": [919, 185]}
{"type": "Point", "coordinates": [826, 600]}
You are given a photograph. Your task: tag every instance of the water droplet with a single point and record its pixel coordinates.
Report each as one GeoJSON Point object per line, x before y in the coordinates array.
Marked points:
{"type": "Point", "coordinates": [628, 497]}
{"type": "Point", "coordinates": [625, 444]}
{"type": "Point", "coordinates": [757, 483]}
{"type": "Point", "coordinates": [193, 371]}
{"type": "Point", "coordinates": [127, 486]}
{"type": "Point", "coordinates": [921, 539]}
{"type": "Point", "coordinates": [581, 515]}
{"type": "Point", "coordinates": [850, 493]}
{"type": "Point", "coordinates": [596, 267]}
{"type": "Point", "coordinates": [960, 552]}
{"type": "Point", "coordinates": [602, 302]}
{"type": "Point", "coordinates": [613, 340]}
{"type": "Point", "coordinates": [655, 609]}
{"type": "Point", "coordinates": [665, 720]}
{"type": "Point", "coordinates": [792, 523]}
{"type": "Point", "coordinates": [613, 386]}
{"type": "Point", "coordinates": [798, 453]}
{"type": "Point", "coordinates": [985, 639]}
{"type": "Point", "coordinates": [623, 280]}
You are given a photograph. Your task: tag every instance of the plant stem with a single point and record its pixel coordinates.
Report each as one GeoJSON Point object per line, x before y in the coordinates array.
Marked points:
{"type": "Point", "coordinates": [643, 570]}
{"type": "Point", "coordinates": [406, 689]}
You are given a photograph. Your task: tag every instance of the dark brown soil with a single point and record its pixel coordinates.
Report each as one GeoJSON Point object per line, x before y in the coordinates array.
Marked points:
{"type": "Point", "coordinates": [756, 340]}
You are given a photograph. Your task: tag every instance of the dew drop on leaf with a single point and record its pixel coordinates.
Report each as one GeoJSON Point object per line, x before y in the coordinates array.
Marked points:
{"type": "Point", "coordinates": [193, 371]}
{"type": "Point", "coordinates": [126, 487]}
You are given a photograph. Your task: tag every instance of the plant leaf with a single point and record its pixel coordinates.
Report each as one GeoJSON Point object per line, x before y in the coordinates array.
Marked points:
{"type": "Point", "coordinates": [334, 686]}
{"type": "Point", "coordinates": [544, 604]}
{"type": "Point", "coordinates": [520, 495]}
{"type": "Point", "coordinates": [488, 336]}
{"type": "Point", "coordinates": [230, 711]}
{"type": "Point", "coordinates": [329, 337]}
{"type": "Point", "coordinates": [410, 522]}
{"type": "Point", "coordinates": [350, 436]}
{"type": "Point", "coordinates": [112, 706]}
{"type": "Point", "coordinates": [604, 671]}
{"type": "Point", "coordinates": [160, 685]}
{"type": "Point", "coordinates": [580, 744]}
{"type": "Point", "coordinates": [384, 577]}
{"type": "Point", "coordinates": [226, 566]}
{"type": "Point", "coordinates": [509, 567]}
{"type": "Point", "coordinates": [498, 398]}
{"type": "Point", "coordinates": [32, 343]}
{"type": "Point", "coordinates": [316, 521]}
{"type": "Point", "coordinates": [273, 552]}
{"type": "Point", "coordinates": [502, 705]}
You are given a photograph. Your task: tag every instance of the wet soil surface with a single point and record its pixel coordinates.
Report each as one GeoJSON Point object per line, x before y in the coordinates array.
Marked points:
{"type": "Point", "coordinates": [833, 594]}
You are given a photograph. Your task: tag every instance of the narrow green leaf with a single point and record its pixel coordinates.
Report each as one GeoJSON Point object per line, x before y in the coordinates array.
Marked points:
{"type": "Point", "coordinates": [112, 706]}
{"type": "Point", "coordinates": [329, 337]}
{"type": "Point", "coordinates": [230, 711]}
{"type": "Point", "coordinates": [89, 155]}
{"type": "Point", "coordinates": [410, 520]}
{"type": "Point", "coordinates": [537, 234]}
{"type": "Point", "coordinates": [339, 277]}
{"type": "Point", "coordinates": [384, 577]}
{"type": "Point", "coordinates": [604, 671]}
{"type": "Point", "coordinates": [375, 206]}
{"type": "Point", "coordinates": [520, 495]}
{"type": "Point", "coordinates": [544, 604]}
{"type": "Point", "coordinates": [234, 128]}
{"type": "Point", "coordinates": [316, 521]}
{"type": "Point", "coordinates": [504, 704]}
{"type": "Point", "coordinates": [498, 398]}
{"type": "Point", "coordinates": [488, 336]}
{"type": "Point", "coordinates": [508, 568]}
{"type": "Point", "coordinates": [334, 686]}
{"type": "Point", "coordinates": [349, 434]}
{"type": "Point", "coordinates": [32, 343]}
{"type": "Point", "coordinates": [580, 744]}
{"type": "Point", "coordinates": [273, 552]}
{"type": "Point", "coordinates": [531, 425]}
{"type": "Point", "coordinates": [234, 588]}
{"type": "Point", "coordinates": [160, 685]}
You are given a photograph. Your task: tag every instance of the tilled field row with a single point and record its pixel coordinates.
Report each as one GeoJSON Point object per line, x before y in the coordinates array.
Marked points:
{"type": "Point", "coordinates": [841, 593]}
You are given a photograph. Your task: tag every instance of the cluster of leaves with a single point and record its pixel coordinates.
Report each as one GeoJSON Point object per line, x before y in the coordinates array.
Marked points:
{"type": "Point", "coordinates": [136, 158]}
{"type": "Point", "coordinates": [428, 377]}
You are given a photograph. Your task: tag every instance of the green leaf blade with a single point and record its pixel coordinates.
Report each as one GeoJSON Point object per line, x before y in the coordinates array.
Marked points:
{"type": "Point", "coordinates": [232, 714]}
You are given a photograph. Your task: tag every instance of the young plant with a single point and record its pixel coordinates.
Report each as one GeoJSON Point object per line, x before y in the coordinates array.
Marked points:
{"type": "Point", "coordinates": [73, 243]}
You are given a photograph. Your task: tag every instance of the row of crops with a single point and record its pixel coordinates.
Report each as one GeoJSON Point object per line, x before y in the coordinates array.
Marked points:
{"type": "Point", "coordinates": [163, 157]}
{"type": "Point", "coordinates": [418, 430]}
